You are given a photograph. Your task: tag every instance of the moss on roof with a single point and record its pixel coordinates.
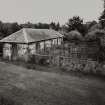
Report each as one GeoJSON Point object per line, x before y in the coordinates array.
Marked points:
{"type": "Point", "coordinates": [28, 35]}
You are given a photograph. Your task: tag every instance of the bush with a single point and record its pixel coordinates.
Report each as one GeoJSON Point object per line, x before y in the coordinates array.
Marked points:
{"type": "Point", "coordinates": [32, 59]}
{"type": "Point", "coordinates": [30, 66]}
{"type": "Point", "coordinates": [44, 61]}
{"type": "Point", "coordinates": [72, 66]}
{"type": "Point", "coordinates": [89, 67]}
{"type": "Point", "coordinates": [8, 101]}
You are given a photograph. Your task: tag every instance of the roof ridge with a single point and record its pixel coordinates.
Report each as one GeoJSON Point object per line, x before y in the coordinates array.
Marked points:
{"type": "Point", "coordinates": [37, 29]}
{"type": "Point", "coordinates": [25, 35]}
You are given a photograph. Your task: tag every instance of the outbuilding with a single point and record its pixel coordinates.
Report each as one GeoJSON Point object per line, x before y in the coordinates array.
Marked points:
{"type": "Point", "coordinates": [28, 41]}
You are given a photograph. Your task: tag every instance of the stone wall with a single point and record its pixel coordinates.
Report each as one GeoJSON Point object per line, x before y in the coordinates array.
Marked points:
{"type": "Point", "coordinates": [24, 51]}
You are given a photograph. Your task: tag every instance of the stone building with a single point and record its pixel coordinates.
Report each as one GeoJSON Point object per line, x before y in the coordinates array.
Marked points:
{"type": "Point", "coordinates": [27, 42]}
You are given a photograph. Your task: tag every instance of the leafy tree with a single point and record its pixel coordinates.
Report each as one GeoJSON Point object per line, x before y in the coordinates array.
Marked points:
{"type": "Point", "coordinates": [9, 28]}
{"type": "Point", "coordinates": [41, 26]}
{"type": "Point", "coordinates": [27, 25]}
{"type": "Point", "coordinates": [97, 35]}
{"type": "Point", "coordinates": [102, 17]}
{"type": "Point", "coordinates": [37, 25]}
{"type": "Point", "coordinates": [57, 26]}
{"type": "Point", "coordinates": [94, 27]}
{"type": "Point", "coordinates": [76, 23]}
{"type": "Point", "coordinates": [15, 27]}
{"type": "Point", "coordinates": [54, 26]}
{"type": "Point", "coordinates": [91, 24]}
{"type": "Point", "coordinates": [64, 28]}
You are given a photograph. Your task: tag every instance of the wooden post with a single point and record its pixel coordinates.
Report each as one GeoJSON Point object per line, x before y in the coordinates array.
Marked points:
{"type": "Point", "coordinates": [63, 48]}
{"type": "Point", "coordinates": [44, 47]}
{"type": "Point", "coordinates": [11, 51]}
{"type": "Point", "coordinates": [69, 50]}
{"type": "Point", "coordinates": [57, 41]}
{"type": "Point", "coordinates": [35, 49]}
{"type": "Point", "coordinates": [3, 51]}
{"type": "Point", "coordinates": [39, 47]}
{"type": "Point", "coordinates": [52, 46]}
{"type": "Point", "coordinates": [14, 51]}
{"type": "Point", "coordinates": [27, 53]}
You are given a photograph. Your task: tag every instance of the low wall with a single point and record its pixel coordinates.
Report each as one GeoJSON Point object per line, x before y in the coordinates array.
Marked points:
{"type": "Point", "coordinates": [69, 64]}
{"type": "Point", "coordinates": [45, 59]}
{"type": "Point", "coordinates": [83, 65]}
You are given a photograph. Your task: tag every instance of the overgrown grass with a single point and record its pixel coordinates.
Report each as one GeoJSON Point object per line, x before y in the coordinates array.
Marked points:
{"type": "Point", "coordinates": [8, 101]}
{"type": "Point", "coordinates": [81, 71]}
{"type": "Point", "coordinates": [29, 87]}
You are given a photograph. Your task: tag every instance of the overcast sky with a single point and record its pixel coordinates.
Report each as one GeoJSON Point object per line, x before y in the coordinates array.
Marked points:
{"type": "Point", "coordinates": [49, 10]}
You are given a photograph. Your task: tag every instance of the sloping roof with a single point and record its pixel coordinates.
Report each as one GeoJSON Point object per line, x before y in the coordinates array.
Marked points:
{"type": "Point", "coordinates": [28, 35]}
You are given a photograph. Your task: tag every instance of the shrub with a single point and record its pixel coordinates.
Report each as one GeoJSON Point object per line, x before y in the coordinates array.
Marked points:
{"type": "Point", "coordinates": [72, 66]}
{"type": "Point", "coordinates": [30, 66]}
{"type": "Point", "coordinates": [8, 101]}
{"type": "Point", "coordinates": [32, 59]}
{"type": "Point", "coordinates": [88, 67]}
{"type": "Point", "coordinates": [44, 61]}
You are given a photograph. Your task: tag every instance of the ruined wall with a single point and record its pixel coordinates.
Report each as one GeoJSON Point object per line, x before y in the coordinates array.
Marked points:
{"type": "Point", "coordinates": [92, 49]}
{"type": "Point", "coordinates": [7, 51]}
{"type": "Point", "coordinates": [19, 51]}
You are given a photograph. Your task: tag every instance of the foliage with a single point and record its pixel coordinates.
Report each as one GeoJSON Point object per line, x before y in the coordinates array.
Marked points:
{"type": "Point", "coordinates": [102, 17]}
{"type": "Point", "coordinates": [97, 36]}
{"type": "Point", "coordinates": [76, 23]}
{"type": "Point", "coordinates": [9, 28]}
{"type": "Point", "coordinates": [88, 67]}
{"type": "Point", "coordinates": [74, 35]}
{"type": "Point", "coordinates": [54, 26]}
{"type": "Point", "coordinates": [95, 27]}
{"type": "Point", "coordinates": [90, 24]}
{"type": "Point", "coordinates": [8, 101]}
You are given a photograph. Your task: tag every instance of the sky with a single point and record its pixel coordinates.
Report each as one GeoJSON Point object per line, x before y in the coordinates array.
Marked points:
{"type": "Point", "coordinates": [46, 11]}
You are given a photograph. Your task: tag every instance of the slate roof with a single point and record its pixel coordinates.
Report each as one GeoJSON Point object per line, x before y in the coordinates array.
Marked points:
{"type": "Point", "coordinates": [28, 35]}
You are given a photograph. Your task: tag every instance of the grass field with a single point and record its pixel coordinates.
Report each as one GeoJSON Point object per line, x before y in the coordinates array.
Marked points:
{"type": "Point", "coordinates": [27, 87]}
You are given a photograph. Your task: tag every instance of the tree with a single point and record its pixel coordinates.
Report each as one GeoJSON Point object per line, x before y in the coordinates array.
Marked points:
{"type": "Point", "coordinates": [15, 27]}
{"type": "Point", "coordinates": [74, 35]}
{"type": "Point", "coordinates": [76, 23]}
{"type": "Point", "coordinates": [41, 26]}
{"type": "Point", "coordinates": [94, 27]}
{"type": "Point", "coordinates": [27, 25]}
{"type": "Point", "coordinates": [9, 28]}
{"type": "Point", "coordinates": [102, 17]}
{"type": "Point", "coordinates": [54, 26]}
{"type": "Point", "coordinates": [57, 26]}
{"type": "Point", "coordinates": [90, 24]}
{"type": "Point", "coordinates": [97, 36]}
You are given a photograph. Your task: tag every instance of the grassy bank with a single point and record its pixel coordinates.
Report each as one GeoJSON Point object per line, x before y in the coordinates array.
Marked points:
{"type": "Point", "coordinates": [28, 87]}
